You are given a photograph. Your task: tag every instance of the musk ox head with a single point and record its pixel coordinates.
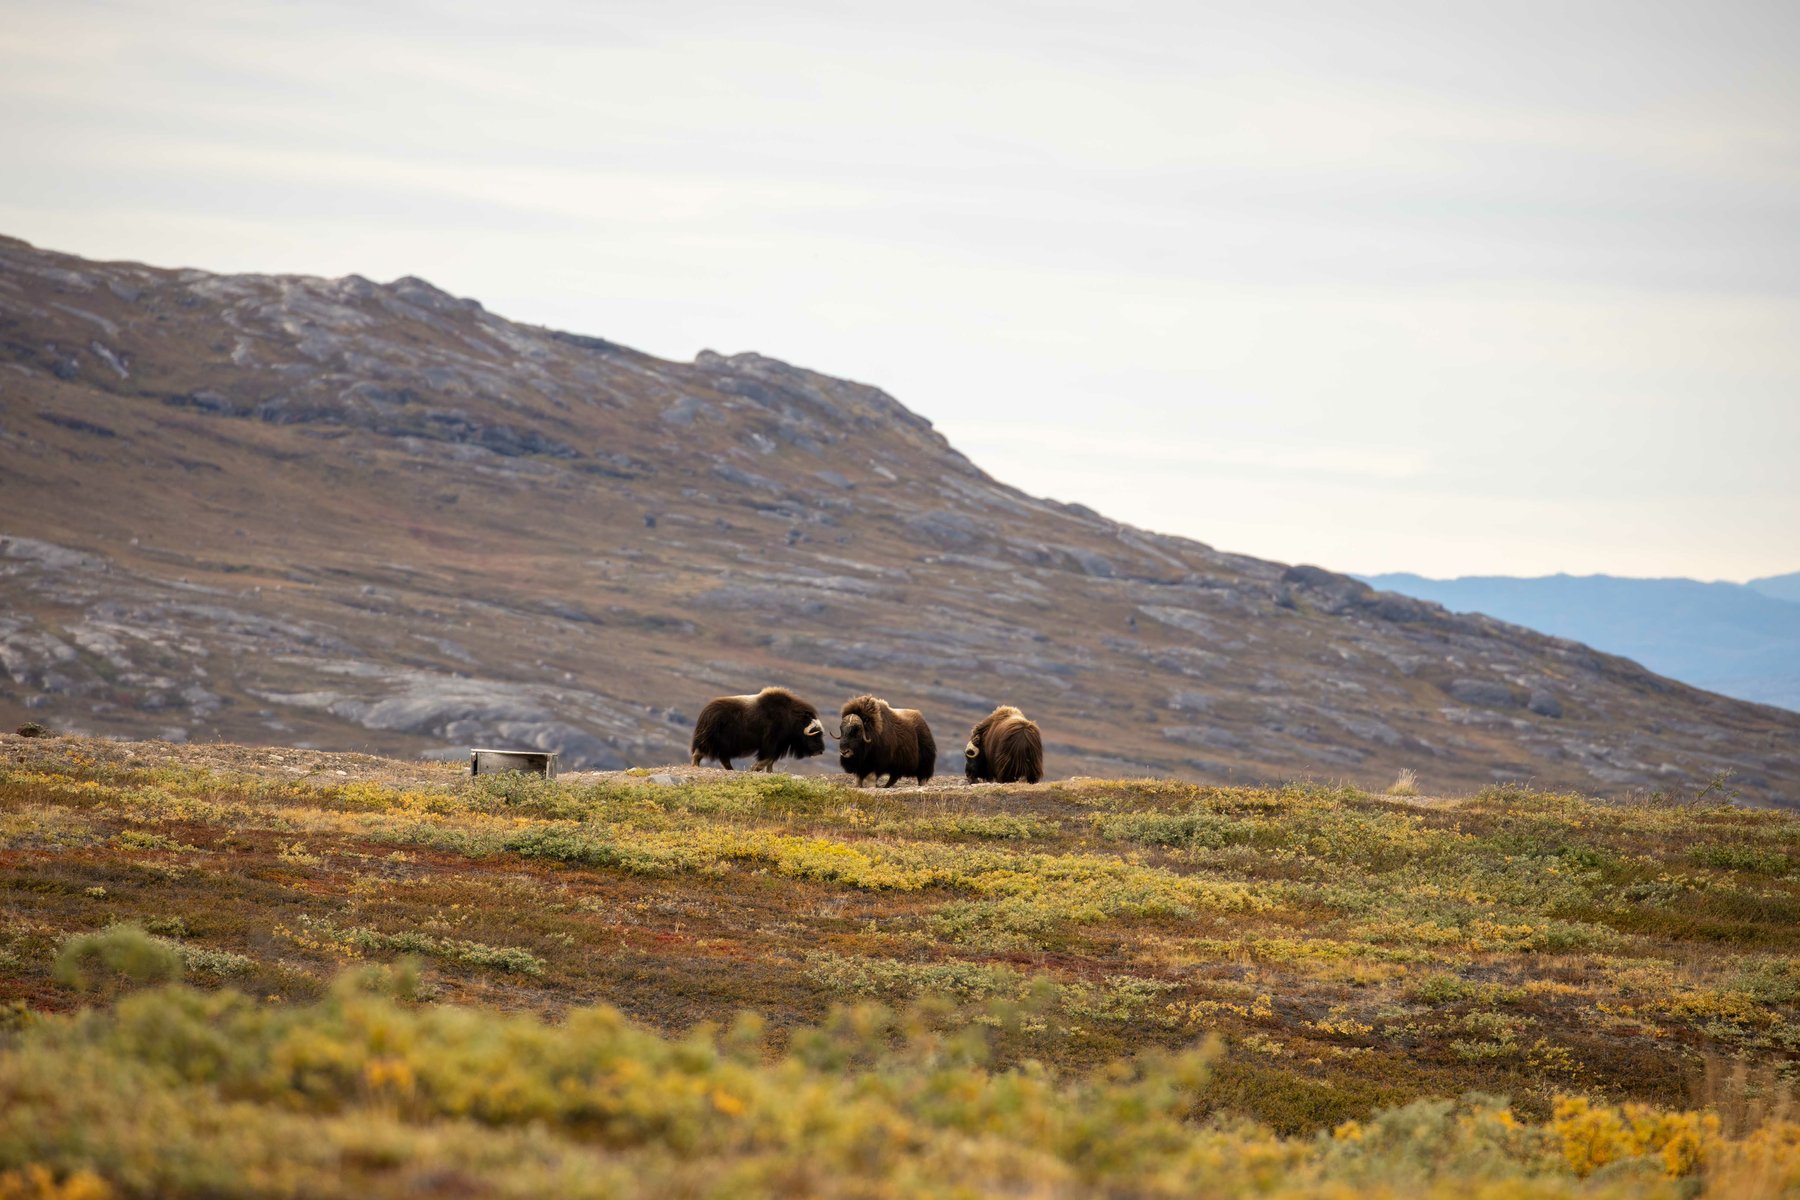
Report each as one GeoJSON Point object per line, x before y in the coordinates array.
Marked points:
{"type": "Point", "coordinates": [789, 721]}
{"type": "Point", "coordinates": [811, 739]}
{"type": "Point", "coordinates": [852, 735]}
{"type": "Point", "coordinates": [796, 721]}
{"type": "Point", "coordinates": [859, 725]}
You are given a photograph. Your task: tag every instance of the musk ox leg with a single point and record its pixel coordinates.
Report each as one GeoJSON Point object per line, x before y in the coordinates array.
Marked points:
{"type": "Point", "coordinates": [764, 764]}
{"type": "Point", "coordinates": [726, 763]}
{"type": "Point", "coordinates": [696, 756]}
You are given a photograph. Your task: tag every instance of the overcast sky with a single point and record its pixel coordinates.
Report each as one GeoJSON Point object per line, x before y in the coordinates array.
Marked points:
{"type": "Point", "coordinates": [1452, 288]}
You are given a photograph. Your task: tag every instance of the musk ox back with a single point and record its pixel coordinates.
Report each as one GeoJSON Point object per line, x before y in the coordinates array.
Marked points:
{"type": "Point", "coordinates": [769, 724]}
{"type": "Point", "coordinates": [875, 740]}
{"type": "Point", "coordinates": [1003, 748]}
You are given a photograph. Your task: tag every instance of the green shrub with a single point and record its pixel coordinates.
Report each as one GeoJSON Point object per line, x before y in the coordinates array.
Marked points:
{"type": "Point", "coordinates": [117, 956]}
{"type": "Point", "coordinates": [1771, 980]}
{"type": "Point", "coordinates": [1737, 856]}
{"type": "Point", "coordinates": [408, 941]}
{"type": "Point", "coordinates": [1212, 830]}
{"type": "Point", "coordinates": [217, 963]}
{"type": "Point", "coordinates": [1442, 989]}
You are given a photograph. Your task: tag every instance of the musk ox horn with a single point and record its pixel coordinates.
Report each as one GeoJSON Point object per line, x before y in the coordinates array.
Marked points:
{"type": "Point", "coordinates": [969, 751]}
{"type": "Point", "coordinates": [815, 727]}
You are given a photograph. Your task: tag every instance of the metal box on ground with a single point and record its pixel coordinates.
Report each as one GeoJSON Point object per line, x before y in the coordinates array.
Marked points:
{"type": "Point", "coordinates": [493, 762]}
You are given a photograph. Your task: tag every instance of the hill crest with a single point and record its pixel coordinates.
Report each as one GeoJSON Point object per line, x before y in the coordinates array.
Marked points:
{"type": "Point", "coordinates": [377, 516]}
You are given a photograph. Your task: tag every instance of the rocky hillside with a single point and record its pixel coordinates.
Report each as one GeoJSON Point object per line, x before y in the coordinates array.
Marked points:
{"type": "Point", "coordinates": [376, 516]}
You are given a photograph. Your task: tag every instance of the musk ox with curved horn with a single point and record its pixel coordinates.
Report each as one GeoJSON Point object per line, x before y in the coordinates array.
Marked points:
{"type": "Point", "coordinates": [769, 724]}
{"type": "Point", "coordinates": [874, 739]}
{"type": "Point", "coordinates": [1003, 748]}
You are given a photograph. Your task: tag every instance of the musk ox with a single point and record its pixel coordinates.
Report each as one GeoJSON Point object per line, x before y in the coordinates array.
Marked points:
{"type": "Point", "coordinates": [874, 739]}
{"type": "Point", "coordinates": [769, 724]}
{"type": "Point", "coordinates": [1003, 748]}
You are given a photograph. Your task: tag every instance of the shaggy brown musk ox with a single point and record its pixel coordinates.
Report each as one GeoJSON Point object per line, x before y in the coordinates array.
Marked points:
{"type": "Point", "coordinates": [1003, 748]}
{"type": "Point", "coordinates": [769, 724]}
{"type": "Point", "coordinates": [874, 739]}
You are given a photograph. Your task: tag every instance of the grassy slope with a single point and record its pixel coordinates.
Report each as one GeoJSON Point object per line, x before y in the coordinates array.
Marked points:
{"type": "Point", "coordinates": [1348, 953]}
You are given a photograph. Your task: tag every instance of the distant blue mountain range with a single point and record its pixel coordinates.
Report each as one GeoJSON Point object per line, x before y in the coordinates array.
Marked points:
{"type": "Point", "coordinates": [1782, 587]}
{"type": "Point", "coordinates": [1741, 639]}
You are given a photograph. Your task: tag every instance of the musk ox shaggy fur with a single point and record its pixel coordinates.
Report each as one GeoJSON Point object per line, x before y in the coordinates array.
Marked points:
{"type": "Point", "coordinates": [875, 740]}
{"type": "Point", "coordinates": [1003, 748]}
{"type": "Point", "coordinates": [769, 724]}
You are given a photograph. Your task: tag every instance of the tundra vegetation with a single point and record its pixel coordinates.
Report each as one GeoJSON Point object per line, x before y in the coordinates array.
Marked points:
{"type": "Point", "coordinates": [388, 979]}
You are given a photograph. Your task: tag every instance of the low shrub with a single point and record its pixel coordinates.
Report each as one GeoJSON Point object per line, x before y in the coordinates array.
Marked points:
{"type": "Point", "coordinates": [119, 956]}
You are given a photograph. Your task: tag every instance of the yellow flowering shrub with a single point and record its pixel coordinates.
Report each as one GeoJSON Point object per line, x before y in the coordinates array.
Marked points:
{"type": "Point", "coordinates": [37, 1182]}
{"type": "Point", "coordinates": [1593, 1136]}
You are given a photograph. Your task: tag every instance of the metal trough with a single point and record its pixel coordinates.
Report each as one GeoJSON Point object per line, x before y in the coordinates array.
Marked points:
{"type": "Point", "coordinates": [493, 762]}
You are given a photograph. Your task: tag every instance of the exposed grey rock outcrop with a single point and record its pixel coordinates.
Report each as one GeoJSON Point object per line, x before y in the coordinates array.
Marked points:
{"type": "Point", "coordinates": [1485, 692]}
